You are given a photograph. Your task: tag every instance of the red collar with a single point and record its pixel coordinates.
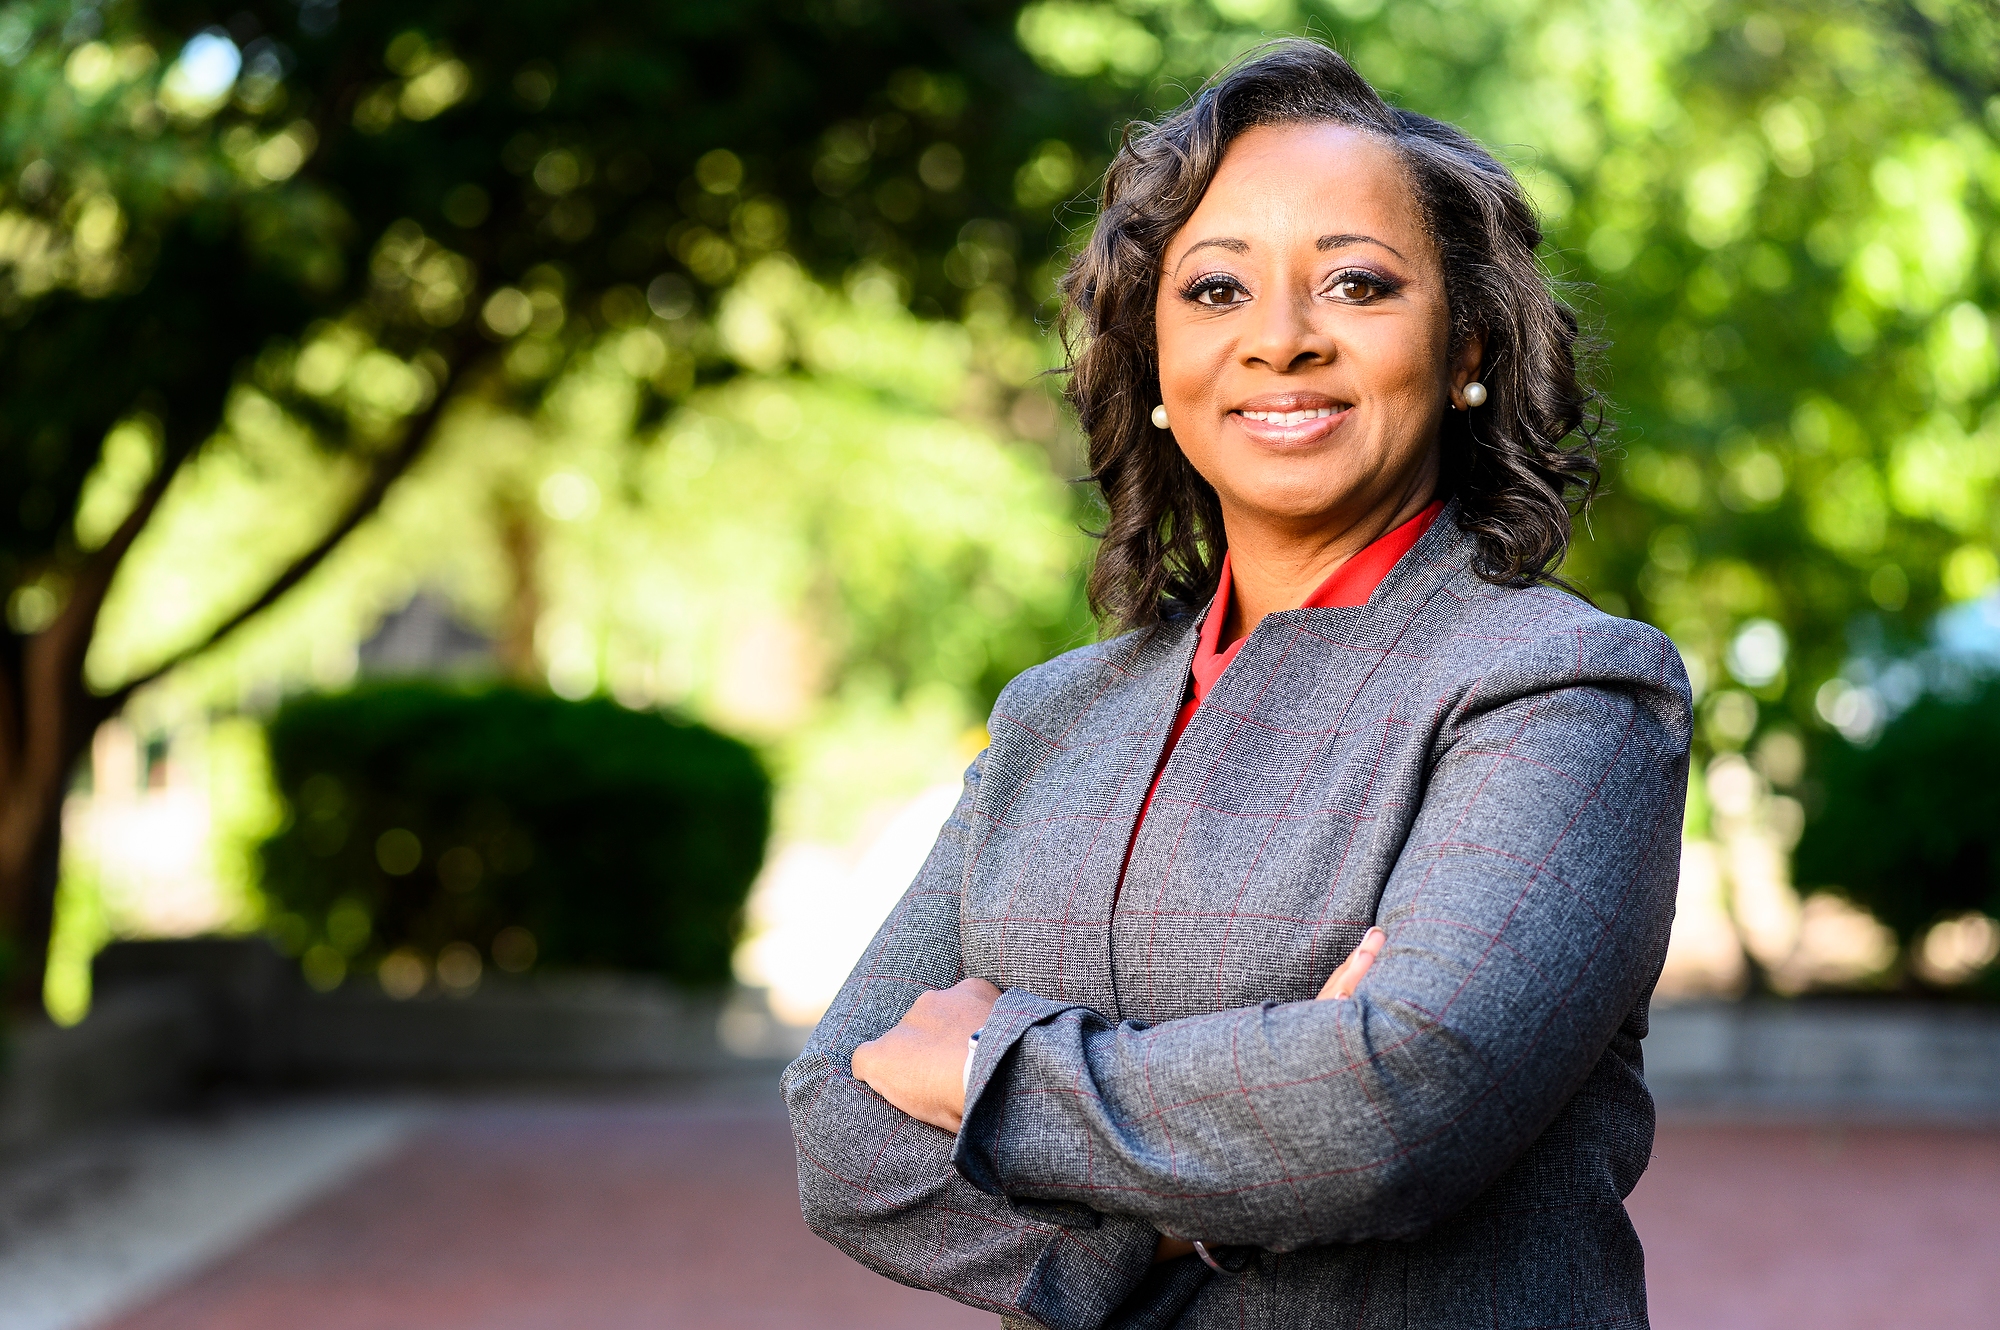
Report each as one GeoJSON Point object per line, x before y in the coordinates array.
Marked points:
{"type": "Point", "coordinates": [1351, 584]}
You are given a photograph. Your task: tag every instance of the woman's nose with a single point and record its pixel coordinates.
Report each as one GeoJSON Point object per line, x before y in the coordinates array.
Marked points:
{"type": "Point", "coordinates": [1283, 335]}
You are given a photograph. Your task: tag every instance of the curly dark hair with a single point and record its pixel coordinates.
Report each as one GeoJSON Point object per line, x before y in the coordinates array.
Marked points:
{"type": "Point", "coordinates": [1515, 465]}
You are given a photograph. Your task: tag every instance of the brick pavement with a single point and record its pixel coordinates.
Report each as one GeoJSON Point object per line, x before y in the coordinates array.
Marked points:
{"type": "Point", "coordinates": [534, 1215]}
{"type": "Point", "coordinates": [558, 1215]}
{"type": "Point", "coordinates": [1821, 1228]}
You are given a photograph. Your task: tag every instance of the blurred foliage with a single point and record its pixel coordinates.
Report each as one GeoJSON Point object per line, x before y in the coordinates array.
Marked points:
{"type": "Point", "coordinates": [83, 925]}
{"type": "Point", "coordinates": [1805, 181]}
{"type": "Point", "coordinates": [421, 817]}
{"type": "Point", "coordinates": [360, 210]}
{"type": "Point", "coordinates": [844, 566]}
{"type": "Point", "coordinates": [717, 323]}
{"type": "Point", "coordinates": [1909, 828]}
{"type": "Point", "coordinates": [258, 262]}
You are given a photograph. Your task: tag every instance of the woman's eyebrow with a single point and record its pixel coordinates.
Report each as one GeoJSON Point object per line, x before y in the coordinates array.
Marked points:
{"type": "Point", "coordinates": [1343, 241]}
{"type": "Point", "coordinates": [1230, 243]}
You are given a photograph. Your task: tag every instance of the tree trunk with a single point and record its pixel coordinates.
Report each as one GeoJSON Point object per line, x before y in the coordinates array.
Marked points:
{"type": "Point", "coordinates": [50, 718]}
{"type": "Point", "coordinates": [48, 713]}
{"type": "Point", "coordinates": [30, 867]}
{"type": "Point", "coordinates": [521, 543]}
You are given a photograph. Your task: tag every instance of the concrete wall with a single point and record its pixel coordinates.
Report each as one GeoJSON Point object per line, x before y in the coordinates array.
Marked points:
{"type": "Point", "coordinates": [1871, 1058]}
{"type": "Point", "coordinates": [139, 1049]}
{"type": "Point", "coordinates": [174, 1017]}
{"type": "Point", "coordinates": [171, 1018]}
{"type": "Point", "coordinates": [619, 1026]}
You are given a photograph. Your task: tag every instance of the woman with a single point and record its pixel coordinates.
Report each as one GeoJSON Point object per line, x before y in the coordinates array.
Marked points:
{"type": "Point", "coordinates": [1286, 959]}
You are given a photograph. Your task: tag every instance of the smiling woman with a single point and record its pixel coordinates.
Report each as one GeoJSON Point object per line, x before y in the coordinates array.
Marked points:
{"type": "Point", "coordinates": [1415, 253]}
{"type": "Point", "coordinates": [1285, 961]}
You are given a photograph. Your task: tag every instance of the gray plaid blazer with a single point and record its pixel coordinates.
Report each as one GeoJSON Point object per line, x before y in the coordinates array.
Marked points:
{"type": "Point", "coordinates": [1493, 775]}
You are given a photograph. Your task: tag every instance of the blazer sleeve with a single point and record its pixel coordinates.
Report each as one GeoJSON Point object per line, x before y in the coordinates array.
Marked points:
{"type": "Point", "coordinates": [1527, 916]}
{"type": "Point", "coordinates": [881, 1186]}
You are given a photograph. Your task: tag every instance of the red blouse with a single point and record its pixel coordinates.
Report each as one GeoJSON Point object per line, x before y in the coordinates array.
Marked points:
{"type": "Point", "coordinates": [1351, 584]}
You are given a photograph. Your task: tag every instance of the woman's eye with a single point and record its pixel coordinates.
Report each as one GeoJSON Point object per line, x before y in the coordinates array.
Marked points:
{"type": "Point", "coordinates": [1358, 288]}
{"type": "Point", "coordinates": [1217, 293]}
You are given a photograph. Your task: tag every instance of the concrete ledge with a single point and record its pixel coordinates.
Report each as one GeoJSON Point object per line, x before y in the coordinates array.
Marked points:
{"type": "Point", "coordinates": [1851, 1056]}
{"type": "Point", "coordinates": [559, 1027]}
{"type": "Point", "coordinates": [173, 1017]}
{"type": "Point", "coordinates": [241, 994]}
{"type": "Point", "coordinates": [140, 1050]}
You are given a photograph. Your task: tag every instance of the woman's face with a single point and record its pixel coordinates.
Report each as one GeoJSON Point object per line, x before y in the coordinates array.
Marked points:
{"type": "Point", "coordinates": [1304, 336]}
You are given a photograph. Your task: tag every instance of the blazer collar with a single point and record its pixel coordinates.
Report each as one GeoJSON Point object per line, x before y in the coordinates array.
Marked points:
{"type": "Point", "coordinates": [1443, 552]}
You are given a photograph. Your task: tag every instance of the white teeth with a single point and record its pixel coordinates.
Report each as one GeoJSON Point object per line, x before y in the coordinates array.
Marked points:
{"type": "Point", "coordinates": [1288, 417]}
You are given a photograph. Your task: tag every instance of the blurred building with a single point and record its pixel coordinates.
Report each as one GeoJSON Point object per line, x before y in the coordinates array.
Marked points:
{"type": "Point", "coordinates": [425, 638]}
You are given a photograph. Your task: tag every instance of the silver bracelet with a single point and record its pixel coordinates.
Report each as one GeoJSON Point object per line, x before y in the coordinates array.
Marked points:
{"type": "Point", "coordinates": [1201, 1250]}
{"type": "Point", "coordinates": [971, 1051]}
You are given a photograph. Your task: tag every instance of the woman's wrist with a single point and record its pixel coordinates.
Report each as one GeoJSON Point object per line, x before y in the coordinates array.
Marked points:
{"type": "Point", "coordinates": [971, 1052]}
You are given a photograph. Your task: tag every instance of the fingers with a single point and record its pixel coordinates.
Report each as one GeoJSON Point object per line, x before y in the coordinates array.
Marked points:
{"type": "Point", "coordinates": [960, 1009]}
{"type": "Point", "coordinates": [976, 988]}
{"type": "Point", "coordinates": [1345, 979]}
{"type": "Point", "coordinates": [918, 1064]}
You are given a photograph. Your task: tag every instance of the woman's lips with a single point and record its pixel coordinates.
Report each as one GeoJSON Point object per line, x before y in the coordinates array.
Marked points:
{"type": "Point", "coordinates": [1290, 428]}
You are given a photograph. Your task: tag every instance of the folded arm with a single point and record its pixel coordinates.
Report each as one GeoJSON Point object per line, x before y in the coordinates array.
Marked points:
{"type": "Point", "coordinates": [1526, 917]}
{"type": "Point", "coordinates": [880, 1184]}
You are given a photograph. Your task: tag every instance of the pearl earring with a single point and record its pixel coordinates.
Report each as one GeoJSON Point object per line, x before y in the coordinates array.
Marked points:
{"type": "Point", "coordinates": [1475, 393]}
{"type": "Point", "coordinates": [1160, 416]}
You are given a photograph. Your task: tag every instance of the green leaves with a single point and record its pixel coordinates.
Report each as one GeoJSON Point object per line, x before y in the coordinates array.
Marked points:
{"type": "Point", "coordinates": [1907, 827]}
{"type": "Point", "coordinates": [425, 819]}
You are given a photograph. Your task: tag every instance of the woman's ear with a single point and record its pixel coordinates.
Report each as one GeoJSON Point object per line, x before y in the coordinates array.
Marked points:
{"type": "Point", "coordinates": [1465, 365]}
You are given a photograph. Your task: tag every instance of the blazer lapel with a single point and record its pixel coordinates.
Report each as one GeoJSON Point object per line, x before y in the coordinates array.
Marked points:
{"type": "Point", "coordinates": [1038, 895]}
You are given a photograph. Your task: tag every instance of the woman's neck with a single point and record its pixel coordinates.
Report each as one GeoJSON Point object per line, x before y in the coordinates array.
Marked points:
{"type": "Point", "coordinates": [1274, 566]}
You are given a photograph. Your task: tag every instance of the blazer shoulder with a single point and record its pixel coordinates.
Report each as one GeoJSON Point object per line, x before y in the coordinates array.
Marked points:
{"type": "Point", "coordinates": [1520, 640]}
{"type": "Point", "coordinates": [1089, 671]}
{"type": "Point", "coordinates": [1474, 628]}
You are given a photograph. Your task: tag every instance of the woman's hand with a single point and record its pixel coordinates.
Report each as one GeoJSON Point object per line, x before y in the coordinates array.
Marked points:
{"type": "Point", "coordinates": [919, 1066]}
{"type": "Point", "coordinates": [1343, 981]}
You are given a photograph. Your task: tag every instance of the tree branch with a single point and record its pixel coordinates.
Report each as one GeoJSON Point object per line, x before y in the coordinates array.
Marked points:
{"type": "Point", "coordinates": [385, 474]}
{"type": "Point", "coordinates": [49, 663]}
{"type": "Point", "coordinates": [77, 621]}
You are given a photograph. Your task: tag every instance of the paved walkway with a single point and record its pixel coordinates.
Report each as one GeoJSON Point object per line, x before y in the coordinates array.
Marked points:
{"type": "Point", "coordinates": [539, 1214]}
{"type": "Point", "coordinates": [1821, 1228]}
{"type": "Point", "coordinates": [107, 1219]}
{"type": "Point", "coordinates": [552, 1215]}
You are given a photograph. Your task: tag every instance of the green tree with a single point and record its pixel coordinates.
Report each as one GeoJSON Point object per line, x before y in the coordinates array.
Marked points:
{"type": "Point", "coordinates": [1909, 827]}
{"type": "Point", "coordinates": [363, 221]}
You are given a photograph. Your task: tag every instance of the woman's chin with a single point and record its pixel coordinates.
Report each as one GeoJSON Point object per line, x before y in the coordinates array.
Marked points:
{"type": "Point", "coordinates": [1310, 505]}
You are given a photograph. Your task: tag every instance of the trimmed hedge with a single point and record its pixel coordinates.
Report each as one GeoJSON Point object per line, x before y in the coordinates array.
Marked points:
{"type": "Point", "coordinates": [1909, 828]}
{"type": "Point", "coordinates": [424, 814]}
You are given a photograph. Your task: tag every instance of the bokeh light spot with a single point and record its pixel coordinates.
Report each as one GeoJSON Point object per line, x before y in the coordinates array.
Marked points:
{"type": "Point", "coordinates": [398, 851]}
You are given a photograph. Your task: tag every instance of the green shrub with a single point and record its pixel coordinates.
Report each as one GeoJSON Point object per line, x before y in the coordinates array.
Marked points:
{"type": "Point", "coordinates": [423, 815]}
{"type": "Point", "coordinates": [1909, 827]}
